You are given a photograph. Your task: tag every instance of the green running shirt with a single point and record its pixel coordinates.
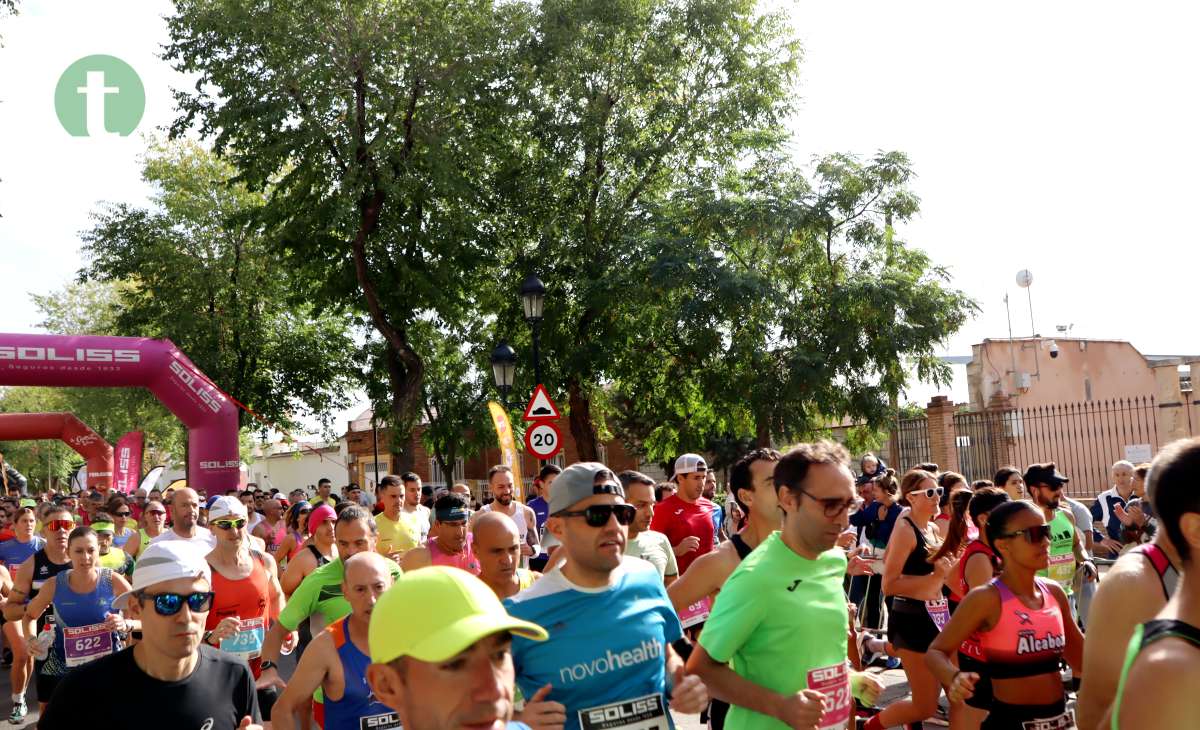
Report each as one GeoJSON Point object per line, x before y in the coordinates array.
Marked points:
{"type": "Point", "coordinates": [321, 592]}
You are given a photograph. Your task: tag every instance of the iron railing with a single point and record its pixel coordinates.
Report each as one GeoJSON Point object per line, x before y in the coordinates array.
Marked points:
{"type": "Point", "coordinates": [912, 443]}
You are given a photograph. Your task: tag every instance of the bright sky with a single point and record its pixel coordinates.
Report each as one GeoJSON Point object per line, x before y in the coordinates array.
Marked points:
{"type": "Point", "coordinates": [1058, 137]}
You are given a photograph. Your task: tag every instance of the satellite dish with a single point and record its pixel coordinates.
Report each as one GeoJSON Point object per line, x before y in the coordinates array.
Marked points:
{"type": "Point", "coordinates": [1024, 278]}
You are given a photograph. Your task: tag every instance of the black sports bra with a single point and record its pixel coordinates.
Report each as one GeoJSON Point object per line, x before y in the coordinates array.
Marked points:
{"type": "Point", "coordinates": [740, 545]}
{"type": "Point", "coordinates": [917, 562]}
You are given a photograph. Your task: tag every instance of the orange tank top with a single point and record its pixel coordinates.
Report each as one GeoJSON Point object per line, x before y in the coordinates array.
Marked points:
{"type": "Point", "coordinates": [250, 600]}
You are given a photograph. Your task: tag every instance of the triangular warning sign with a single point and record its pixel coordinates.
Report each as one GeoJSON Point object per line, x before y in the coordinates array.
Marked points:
{"type": "Point", "coordinates": [540, 406]}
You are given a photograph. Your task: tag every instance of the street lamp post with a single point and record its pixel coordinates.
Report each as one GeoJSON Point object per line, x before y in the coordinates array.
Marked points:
{"type": "Point", "coordinates": [533, 291]}
{"type": "Point", "coordinates": [504, 366]}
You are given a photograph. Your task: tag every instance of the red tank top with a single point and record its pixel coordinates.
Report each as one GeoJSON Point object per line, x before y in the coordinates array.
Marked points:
{"type": "Point", "coordinates": [1026, 641]}
{"type": "Point", "coordinates": [958, 591]}
{"type": "Point", "coordinates": [249, 600]}
{"type": "Point", "coordinates": [464, 560]}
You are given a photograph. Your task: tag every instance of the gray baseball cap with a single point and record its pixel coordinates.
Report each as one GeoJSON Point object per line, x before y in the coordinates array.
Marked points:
{"type": "Point", "coordinates": [578, 482]}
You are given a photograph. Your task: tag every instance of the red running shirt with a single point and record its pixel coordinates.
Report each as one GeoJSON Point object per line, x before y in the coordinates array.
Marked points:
{"type": "Point", "coordinates": [678, 519]}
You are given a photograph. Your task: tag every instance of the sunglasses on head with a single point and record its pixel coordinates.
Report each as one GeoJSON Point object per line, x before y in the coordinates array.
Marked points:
{"type": "Point", "coordinates": [67, 525]}
{"type": "Point", "coordinates": [234, 524]}
{"type": "Point", "coordinates": [598, 515]}
{"type": "Point", "coordinates": [169, 604]}
{"type": "Point", "coordinates": [1033, 535]}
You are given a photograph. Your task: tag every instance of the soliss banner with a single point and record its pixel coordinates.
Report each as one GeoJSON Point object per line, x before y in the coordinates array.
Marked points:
{"type": "Point", "coordinates": [127, 462]}
{"type": "Point", "coordinates": [509, 456]}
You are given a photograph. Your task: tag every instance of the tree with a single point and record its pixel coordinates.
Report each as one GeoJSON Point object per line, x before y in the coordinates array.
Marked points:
{"type": "Point", "coordinates": [373, 125]}
{"type": "Point", "coordinates": [197, 269]}
{"type": "Point", "coordinates": [624, 104]}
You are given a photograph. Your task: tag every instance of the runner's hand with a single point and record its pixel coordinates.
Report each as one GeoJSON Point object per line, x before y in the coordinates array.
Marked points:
{"type": "Point", "coordinates": [225, 629]}
{"type": "Point", "coordinates": [865, 688]}
{"type": "Point", "coordinates": [689, 695]}
{"type": "Point", "coordinates": [859, 565]}
{"type": "Point", "coordinates": [248, 724]}
{"type": "Point", "coordinates": [526, 551]}
{"type": "Point", "coordinates": [289, 642]}
{"type": "Point", "coordinates": [270, 678]}
{"type": "Point", "coordinates": [540, 714]}
{"type": "Point", "coordinates": [943, 566]}
{"type": "Point", "coordinates": [688, 544]}
{"type": "Point", "coordinates": [802, 711]}
{"type": "Point", "coordinates": [962, 687]}
{"type": "Point", "coordinates": [114, 622]}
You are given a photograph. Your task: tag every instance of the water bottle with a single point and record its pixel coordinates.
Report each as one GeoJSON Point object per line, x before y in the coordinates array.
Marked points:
{"type": "Point", "coordinates": [40, 648]}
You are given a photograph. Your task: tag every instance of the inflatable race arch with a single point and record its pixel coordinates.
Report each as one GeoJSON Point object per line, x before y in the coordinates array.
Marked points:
{"type": "Point", "coordinates": [72, 431]}
{"type": "Point", "coordinates": [133, 362]}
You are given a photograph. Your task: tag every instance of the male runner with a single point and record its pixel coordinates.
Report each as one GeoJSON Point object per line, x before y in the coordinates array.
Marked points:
{"type": "Point", "coordinates": [324, 494]}
{"type": "Point", "coordinates": [1158, 683]}
{"type": "Point", "coordinates": [1045, 485]}
{"type": "Point", "coordinates": [541, 509]}
{"type": "Point", "coordinates": [500, 483]}
{"type": "Point", "coordinates": [272, 528]}
{"type": "Point", "coordinates": [644, 543]}
{"type": "Point", "coordinates": [336, 660]}
{"type": "Point", "coordinates": [497, 547]}
{"type": "Point", "coordinates": [177, 682]}
{"type": "Point", "coordinates": [686, 517]}
{"type": "Point", "coordinates": [781, 618]}
{"type": "Point", "coordinates": [450, 668]}
{"type": "Point", "coordinates": [404, 522]}
{"type": "Point", "coordinates": [450, 542]}
{"type": "Point", "coordinates": [588, 670]}
{"type": "Point", "coordinates": [1134, 590]}
{"type": "Point", "coordinates": [185, 510]}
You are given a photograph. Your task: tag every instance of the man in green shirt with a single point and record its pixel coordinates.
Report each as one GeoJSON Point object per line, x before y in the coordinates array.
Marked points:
{"type": "Point", "coordinates": [774, 646]}
{"type": "Point", "coordinates": [321, 591]}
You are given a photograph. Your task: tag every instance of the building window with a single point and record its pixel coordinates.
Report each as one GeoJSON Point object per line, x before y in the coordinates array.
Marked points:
{"type": "Point", "coordinates": [368, 472]}
{"type": "Point", "coordinates": [1087, 389]}
{"type": "Point", "coordinates": [438, 479]}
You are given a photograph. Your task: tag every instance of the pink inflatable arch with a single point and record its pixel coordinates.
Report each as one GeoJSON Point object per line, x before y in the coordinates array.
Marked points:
{"type": "Point", "coordinates": [129, 362]}
{"type": "Point", "coordinates": [73, 432]}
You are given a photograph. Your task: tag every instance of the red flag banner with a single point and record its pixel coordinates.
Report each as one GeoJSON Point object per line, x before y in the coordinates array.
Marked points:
{"type": "Point", "coordinates": [127, 462]}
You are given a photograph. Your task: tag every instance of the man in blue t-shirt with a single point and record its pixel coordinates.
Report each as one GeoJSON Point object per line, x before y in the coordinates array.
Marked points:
{"type": "Point", "coordinates": [541, 509]}
{"type": "Point", "coordinates": [609, 662]}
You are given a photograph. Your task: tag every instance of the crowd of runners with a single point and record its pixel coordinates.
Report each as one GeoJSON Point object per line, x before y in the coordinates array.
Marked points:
{"type": "Point", "coordinates": [607, 600]}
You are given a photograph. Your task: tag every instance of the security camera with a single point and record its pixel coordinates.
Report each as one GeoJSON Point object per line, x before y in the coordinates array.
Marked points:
{"type": "Point", "coordinates": [1053, 348]}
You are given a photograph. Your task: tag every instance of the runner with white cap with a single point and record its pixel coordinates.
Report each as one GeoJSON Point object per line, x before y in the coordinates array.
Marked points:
{"type": "Point", "coordinates": [178, 682]}
{"type": "Point", "coordinates": [448, 668]}
{"type": "Point", "coordinates": [686, 517]}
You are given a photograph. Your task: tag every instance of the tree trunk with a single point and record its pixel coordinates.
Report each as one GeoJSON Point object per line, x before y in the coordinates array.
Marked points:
{"type": "Point", "coordinates": [405, 371]}
{"type": "Point", "coordinates": [581, 422]}
{"type": "Point", "coordinates": [762, 430]}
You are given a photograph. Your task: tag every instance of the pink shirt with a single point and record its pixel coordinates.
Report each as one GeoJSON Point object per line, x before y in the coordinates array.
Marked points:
{"type": "Point", "coordinates": [464, 560]}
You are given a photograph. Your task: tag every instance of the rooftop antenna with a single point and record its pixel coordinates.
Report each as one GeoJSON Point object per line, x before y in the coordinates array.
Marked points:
{"type": "Point", "coordinates": [1025, 280]}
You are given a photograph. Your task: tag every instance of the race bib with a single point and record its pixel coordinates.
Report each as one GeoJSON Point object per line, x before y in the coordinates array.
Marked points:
{"type": "Point", "coordinates": [696, 613]}
{"type": "Point", "coordinates": [1065, 721]}
{"type": "Point", "coordinates": [1061, 568]}
{"type": "Point", "coordinates": [247, 642]}
{"type": "Point", "coordinates": [83, 644]}
{"type": "Point", "coordinates": [939, 611]}
{"type": "Point", "coordinates": [834, 683]}
{"type": "Point", "coordinates": [386, 721]}
{"type": "Point", "coordinates": [642, 713]}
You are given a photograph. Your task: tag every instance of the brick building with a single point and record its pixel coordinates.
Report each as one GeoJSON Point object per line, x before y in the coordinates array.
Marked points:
{"type": "Point", "coordinates": [361, 451]}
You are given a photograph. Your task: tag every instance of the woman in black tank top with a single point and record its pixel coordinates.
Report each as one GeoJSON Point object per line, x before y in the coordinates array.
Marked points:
{"type": "Point", "coordinates": [913, 582]}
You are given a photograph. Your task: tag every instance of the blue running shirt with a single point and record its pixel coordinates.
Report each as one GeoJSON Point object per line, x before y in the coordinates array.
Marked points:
{"type": "Point", "coordinates": [606, 655]}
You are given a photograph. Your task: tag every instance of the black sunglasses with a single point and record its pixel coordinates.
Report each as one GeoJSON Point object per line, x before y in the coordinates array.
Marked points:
{"type": "Point", "coordinates": [169, 604]}
{"type": "Point", "coordinates": [122, 514]}
{"type": "Point", "coordinates": [598, 515]}
{"type": "Point", "coordinates": [1033, 535]}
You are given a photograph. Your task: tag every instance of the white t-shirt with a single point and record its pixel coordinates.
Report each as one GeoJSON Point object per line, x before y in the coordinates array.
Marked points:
{"type": "Point", "coordinates": [203, 538]}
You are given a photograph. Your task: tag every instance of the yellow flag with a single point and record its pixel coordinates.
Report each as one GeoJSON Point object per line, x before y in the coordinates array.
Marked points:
{"type": "Point", "coordinates": [509, 456]}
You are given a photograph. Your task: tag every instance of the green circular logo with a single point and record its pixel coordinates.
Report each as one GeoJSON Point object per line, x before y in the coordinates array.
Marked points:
{"type": "Point", "coordinates": [99, 96]}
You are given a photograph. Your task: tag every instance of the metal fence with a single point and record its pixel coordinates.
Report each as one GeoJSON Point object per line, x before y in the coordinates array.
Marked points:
{"type": "Point", "coordinates": [1083, 439]}
{"type": "Point", "coordinates": [912, 443]}
{"type": "Point", "coordinates": [976, 435]}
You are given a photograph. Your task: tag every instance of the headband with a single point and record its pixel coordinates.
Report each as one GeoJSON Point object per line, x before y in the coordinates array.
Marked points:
{"type": "Point", "coordinates": [454, 514]}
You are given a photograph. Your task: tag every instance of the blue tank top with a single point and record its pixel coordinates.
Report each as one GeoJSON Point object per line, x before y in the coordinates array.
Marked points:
{"type": "Point", "coordinates": [357, 704]}
{"type": "Point", "coordinates": [76, 642]}
{"type": "Point", "coordinates": [120, 540]}
{"type": "Point", "coordinates": [14, 552]}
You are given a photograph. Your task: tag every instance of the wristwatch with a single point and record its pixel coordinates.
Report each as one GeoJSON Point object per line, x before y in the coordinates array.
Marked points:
{"type": "Point", "coordinates": [267, 664]}
{"type": "Point", "coordinates": [207, 635]}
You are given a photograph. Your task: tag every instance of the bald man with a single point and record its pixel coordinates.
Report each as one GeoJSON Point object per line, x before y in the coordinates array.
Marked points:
{"type": "Point", "coordinates": [273, 528]}
{"type": "Point", "coordinates": [497, 544]}
{"type": "Point", "coordinates": [336, 660]}
{"type": "Point", "coordinates": [185, 512]}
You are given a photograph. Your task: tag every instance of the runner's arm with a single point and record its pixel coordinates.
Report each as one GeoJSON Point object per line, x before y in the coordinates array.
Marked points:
{"type": "Point", "coordinates": [980, 607]}
{"type": "Point", "coordinates": [696, 583]}
{"type": "Point", "coordinates": [6, 581]}
{"type": "Point", "coordinates": [309, 675]}
{"type": "Point", "coordinates": [120, 586]}
{"type": "Point", "coordinates": [274, 590]}
{"type": "Point", "coordinates": [1125, 598]}
{"type": "Point", "coordinates": [285, 547]}
{"type": "Point", "coordinates": [418, 557]}
{"type": "Point", "coordinates": [38, 605]}
{"type": "Point", "coordinates": [901, 543]}
{"type": "Point", "coordinates": [1154, 692]}
{"type": "Point", "coordinates": [133, 544]}
{"type": "Point", "coordinates": [727, 685]}
{"type": "Point", "coordinates": [302, 605]}
{"type": "Point", "coordinates": [1073, 652]}
{"type": "Point", "coordinates": [296, 570]}
{"type": "Point", "coordinates": [978, 572]}
{"type": "Point", "coordinates": [14, 609]}
{"type": "Point", "coordinates": [531, 535]}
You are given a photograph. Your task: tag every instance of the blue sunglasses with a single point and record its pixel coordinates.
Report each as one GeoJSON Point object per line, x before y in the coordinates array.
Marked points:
{"type": "Point", "coordinates": [169, 604]}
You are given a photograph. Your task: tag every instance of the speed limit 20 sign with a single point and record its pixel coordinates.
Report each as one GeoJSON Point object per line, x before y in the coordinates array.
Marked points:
{"type": "Point", "coordinates": [543, 440]}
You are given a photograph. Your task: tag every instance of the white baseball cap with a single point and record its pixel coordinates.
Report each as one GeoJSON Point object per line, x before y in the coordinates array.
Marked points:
{"type": "Point", "coordinates": [164, 561]}
{"type": "Point", "coordinates": [226, 507]}
{"type": "Point", "coordinates": [689, 463]}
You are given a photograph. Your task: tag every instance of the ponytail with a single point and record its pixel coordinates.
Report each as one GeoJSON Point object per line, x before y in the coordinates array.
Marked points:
{"type": "Point", "coordinates": [958, 525]}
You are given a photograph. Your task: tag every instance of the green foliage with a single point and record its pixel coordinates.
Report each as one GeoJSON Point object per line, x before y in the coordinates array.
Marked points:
{"type": "Point", "coordinates": [196, 268]}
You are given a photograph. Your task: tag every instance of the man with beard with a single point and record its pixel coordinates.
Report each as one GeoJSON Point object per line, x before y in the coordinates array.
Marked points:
{"type": "Point", "coordinates": [449, 543]}
{"type": "Point", "coordinates": [185, 512]}
{"type": "Point", "coordinates": [596, 588]}
{"type": "Point", "coordinates": [500, 483]}
{"type": "Point", "coordinates": [337, 659]}
{"type": "Point", "coordinates": [686, 517]}
{"type": "Point", "coordinates": [1045, 487]}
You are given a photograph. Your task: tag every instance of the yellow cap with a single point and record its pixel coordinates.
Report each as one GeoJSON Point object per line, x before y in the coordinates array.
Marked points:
{"type": "Point", "coordinates": [435, 613]}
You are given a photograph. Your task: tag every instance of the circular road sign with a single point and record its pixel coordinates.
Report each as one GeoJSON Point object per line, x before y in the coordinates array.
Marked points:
{"type": "Point", "coordinates": [543, 440]}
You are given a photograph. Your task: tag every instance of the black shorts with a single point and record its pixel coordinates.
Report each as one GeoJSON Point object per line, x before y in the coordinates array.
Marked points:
{"type": "Point", "coordinates": [982, 699]}
{"type": "Point", "coordinates": [266, 700]}
{"type": "Point", "coordinates": [44, 683]}
{"type": "Point", "coordinates": [1054, 716]}
{"type": "Point", "coordinates": [909, 625]}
